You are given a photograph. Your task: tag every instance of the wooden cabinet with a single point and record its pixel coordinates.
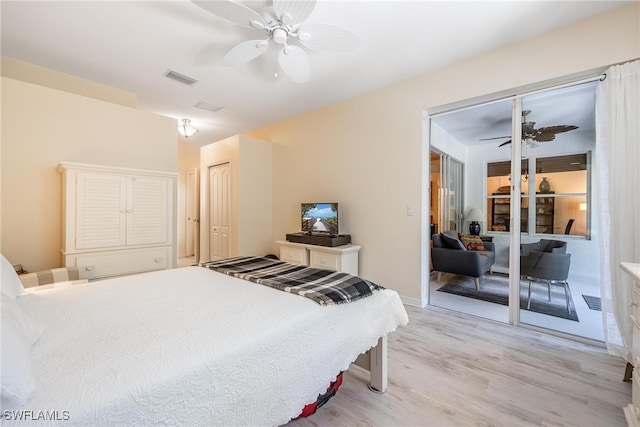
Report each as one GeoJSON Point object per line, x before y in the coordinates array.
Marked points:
{"type": "Point", "coordinates": [500, 213]}
{"type": "Point", "coordinates": [545, 207]}
{"type": "Point", "coordinates": [339, 258]}
{"type": "Point", "coordinates": [632, 411]}
{"type": "Point", "coordinates": [544, 214]}
{"type": "Point", "coordinates": [117, 221]}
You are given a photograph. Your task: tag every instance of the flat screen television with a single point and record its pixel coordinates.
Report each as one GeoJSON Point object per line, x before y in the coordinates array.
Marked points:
{"type": "Point", "coordinates": [321, 218]}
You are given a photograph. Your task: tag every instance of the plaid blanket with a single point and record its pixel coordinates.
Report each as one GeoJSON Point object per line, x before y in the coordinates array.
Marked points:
{"type": "Point", "coordinates": [323, 286]}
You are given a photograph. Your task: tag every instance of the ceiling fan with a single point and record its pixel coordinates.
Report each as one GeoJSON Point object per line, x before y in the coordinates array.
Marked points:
{"type": "Point", "coordinates": [532, 136]}
{"type": "Point", "coordinates": [283, 24]}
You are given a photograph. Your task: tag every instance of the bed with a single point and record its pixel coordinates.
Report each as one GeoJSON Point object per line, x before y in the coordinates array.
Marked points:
{"type": "Point", "coordinates": [192, 346]}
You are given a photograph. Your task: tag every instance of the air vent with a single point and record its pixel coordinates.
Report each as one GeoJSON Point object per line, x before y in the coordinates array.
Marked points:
{"type": "Point", "coordinates": [179, 77]}
{"type": "Point", "coordinates": [206, 105]}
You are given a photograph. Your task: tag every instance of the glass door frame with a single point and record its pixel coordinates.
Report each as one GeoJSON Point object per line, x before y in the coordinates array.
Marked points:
{"type": "Point", "coordinates": [451, 193]}
{"type": "Point", "coordinates": [515, 213]}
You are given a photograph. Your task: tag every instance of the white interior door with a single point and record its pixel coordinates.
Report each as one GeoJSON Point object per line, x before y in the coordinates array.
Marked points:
{"type": "Point", "coordinates": [219, 211]}
{"type": "Point", "coordinates": [190, 230]}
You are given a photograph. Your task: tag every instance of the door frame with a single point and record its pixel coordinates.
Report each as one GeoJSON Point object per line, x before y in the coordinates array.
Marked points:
{"type": "Point", "coordinates": [516, 152]}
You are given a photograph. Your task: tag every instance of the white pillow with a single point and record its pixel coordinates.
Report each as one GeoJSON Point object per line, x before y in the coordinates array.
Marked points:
{"type": "Point", "coordinates": [19, 333]}
{"type": "Point", "coordinates": [10, 284]}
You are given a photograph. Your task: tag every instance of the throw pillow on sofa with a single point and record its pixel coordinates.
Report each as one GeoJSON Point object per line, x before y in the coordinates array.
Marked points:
{"type": "Point", "coordinates": [472, 243]}
{"type": "Point", "coordinates": [452, 242]}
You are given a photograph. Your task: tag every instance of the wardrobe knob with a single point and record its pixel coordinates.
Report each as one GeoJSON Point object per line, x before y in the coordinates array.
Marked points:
{"type": "Point", "coordinates": [89, 267]}
{"type": "Point", "coordinates": [158, 259]}
{"type": "Point", "coordinates": [632, 303]}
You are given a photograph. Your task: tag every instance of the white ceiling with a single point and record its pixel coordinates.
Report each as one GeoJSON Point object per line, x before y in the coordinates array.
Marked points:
{"type": "Point", "coordinates": [131, 45]}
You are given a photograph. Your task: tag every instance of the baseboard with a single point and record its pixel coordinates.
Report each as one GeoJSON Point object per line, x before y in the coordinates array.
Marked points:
{"type": "Point", "coordinates": [413, 302]}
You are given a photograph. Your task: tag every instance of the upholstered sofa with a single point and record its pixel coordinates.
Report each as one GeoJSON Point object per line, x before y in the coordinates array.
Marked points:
{"type": "Point", "coordinates": [449, 255]}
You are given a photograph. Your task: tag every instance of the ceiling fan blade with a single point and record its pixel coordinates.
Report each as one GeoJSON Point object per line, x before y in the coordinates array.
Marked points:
{"type": "Point", "coordinates": [497, 137]}
{"type": "Point", "coordinates": [295, 63]}
{"type": "Point", "coordinates": [245, 52]}
{"type": "Point", "coordinates": [325, 37]}
{"type": "Point", "coordinates": [291, 12]}
{"type": "Point", "coordinates": [504, 143]}
{"type": "Point", "coordinates": [232, 11]}
{"type": "Point", "coordinates": [545, 137]}
{"type": "Point", "coordinates": [557, 129]}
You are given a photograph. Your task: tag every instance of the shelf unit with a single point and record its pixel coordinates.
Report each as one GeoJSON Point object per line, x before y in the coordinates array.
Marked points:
{"type": "Point", "coordinates": [545, 206]}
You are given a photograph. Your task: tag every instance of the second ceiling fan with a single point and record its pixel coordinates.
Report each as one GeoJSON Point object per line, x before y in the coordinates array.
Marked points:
{"type": "Point", "coordinates": [532, 136]}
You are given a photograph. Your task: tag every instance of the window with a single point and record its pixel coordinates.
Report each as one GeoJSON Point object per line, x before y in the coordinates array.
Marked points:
{"type": "Point", "coordinates": [557, 188]}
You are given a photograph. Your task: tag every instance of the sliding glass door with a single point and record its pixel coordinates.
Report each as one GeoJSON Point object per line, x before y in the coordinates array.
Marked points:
{"type": "Point", "coordinates": [559, 262]}
{"type": "Point", "coordinates": [533, 198]}
{"type": "Point", "coordinates": [451, 193]}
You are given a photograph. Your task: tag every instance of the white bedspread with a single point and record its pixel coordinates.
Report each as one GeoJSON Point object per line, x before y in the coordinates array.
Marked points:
{"type": "Point", "coordinates": [193, 347]}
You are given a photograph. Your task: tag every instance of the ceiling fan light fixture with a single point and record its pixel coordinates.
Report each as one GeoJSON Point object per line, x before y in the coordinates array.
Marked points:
{"type": "Point", "coordinates": [279, 36]}
{"type": "Point", "coordinates": [185, 129]}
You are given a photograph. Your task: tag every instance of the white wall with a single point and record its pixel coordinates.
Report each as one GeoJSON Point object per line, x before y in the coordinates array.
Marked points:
{"type": "Point", "coordinates": [367, 152]}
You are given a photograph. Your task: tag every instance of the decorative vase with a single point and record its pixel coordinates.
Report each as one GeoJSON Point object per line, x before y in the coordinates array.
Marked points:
{"type": "Point", "coordinates": [474, 228]}
{"type": "Point", "coordinates": [544, 187]}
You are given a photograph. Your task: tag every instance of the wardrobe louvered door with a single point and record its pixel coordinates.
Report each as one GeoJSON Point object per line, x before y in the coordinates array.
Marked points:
{"type": "Point", "coordinates": [146, 210]}
{"type": "Point", "coordinates": [101, 211]}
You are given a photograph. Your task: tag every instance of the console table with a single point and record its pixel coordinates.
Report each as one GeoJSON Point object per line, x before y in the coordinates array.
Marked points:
{"type": "Point", "coordinates": [339, 258]}
{"type": "Point", "coordinates": [632, 411]}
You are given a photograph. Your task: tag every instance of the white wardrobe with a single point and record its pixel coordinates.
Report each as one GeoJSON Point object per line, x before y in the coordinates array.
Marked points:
{"type": "Point", "coordinates": [117, 221]}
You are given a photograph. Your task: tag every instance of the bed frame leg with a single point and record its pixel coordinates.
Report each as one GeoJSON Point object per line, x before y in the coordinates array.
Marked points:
{"type": "Point", "coordinates": [375, 361]}
{"type": "Point", "coordinates": [378, 369]}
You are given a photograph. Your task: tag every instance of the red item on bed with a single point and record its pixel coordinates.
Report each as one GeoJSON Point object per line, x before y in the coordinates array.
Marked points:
{"type": "Point", "coordinates": [311, 408]}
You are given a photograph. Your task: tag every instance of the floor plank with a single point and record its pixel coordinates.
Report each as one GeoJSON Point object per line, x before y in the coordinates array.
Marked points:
{"type": "Point", "coordinates": [452, 369]}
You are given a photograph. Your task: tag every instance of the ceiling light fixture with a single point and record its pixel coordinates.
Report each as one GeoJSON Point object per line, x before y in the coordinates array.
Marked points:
{"type": "Point", "coordinates": [186, 129]}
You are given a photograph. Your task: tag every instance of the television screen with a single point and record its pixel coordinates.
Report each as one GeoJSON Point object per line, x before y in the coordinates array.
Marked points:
{"type": "Point", "coordinates": [320, 218]}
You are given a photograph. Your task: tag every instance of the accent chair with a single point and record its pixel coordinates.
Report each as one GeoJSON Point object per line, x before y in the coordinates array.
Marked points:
{"type": "Point", "coordinates": [546, 261]}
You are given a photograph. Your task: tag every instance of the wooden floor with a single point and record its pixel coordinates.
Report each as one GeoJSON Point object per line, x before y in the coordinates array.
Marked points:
{"type": "Point", "coordinates": [451, 369]}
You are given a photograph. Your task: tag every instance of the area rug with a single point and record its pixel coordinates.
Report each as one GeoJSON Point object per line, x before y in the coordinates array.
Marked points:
{"type": "Point", "coordinates": [495, 288]}
{"type": "Point", "coordinates": [594, 303]}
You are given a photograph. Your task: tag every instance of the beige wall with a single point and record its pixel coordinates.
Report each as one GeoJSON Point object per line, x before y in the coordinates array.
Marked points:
{"type": "Point", "coordinates": [30, 73]}
{"type": "Point", "coordinates": [367, 153]}
{"type": "Point", "coordinates": [251, 194]}
{"type": "Point", "coordinates": [43, 126]}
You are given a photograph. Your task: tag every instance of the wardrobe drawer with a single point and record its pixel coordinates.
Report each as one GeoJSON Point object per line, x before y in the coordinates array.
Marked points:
{"type": "Point", "coordinates": [635, 388]}
{"type": "Point", "coordinates": [104, 264]}
{"type": "Point", "coordinates": [635, 346]}
{"type": "Point", "coordinates": [632, 414]}
{"type": "Point", "coordinates": [635, 303]}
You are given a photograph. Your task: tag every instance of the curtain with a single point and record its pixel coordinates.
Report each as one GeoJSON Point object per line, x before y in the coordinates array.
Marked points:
{"type": "Point", "coordinates": [618, 199]}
